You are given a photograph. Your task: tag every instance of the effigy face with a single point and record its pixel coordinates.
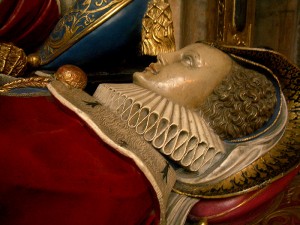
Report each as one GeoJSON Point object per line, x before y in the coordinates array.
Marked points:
{"type": "Point", "coordinates": [186, 76]}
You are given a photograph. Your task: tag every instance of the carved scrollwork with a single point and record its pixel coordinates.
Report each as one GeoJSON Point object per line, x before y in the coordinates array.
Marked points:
{"type": "Point", "coordinates": [85, 16]}
{"type": "Point", "coordinates": [157, 31]}
{"type": "Point", "coordinates": [12, 60]}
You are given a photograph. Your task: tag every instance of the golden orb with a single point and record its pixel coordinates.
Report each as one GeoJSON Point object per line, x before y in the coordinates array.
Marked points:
{"type": "Point", "coordinates": [33, 60]}
{"type": "Point", "coordinates": [72, 76]}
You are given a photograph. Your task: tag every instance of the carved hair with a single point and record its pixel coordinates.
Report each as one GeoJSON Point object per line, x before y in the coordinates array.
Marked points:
{"type": "Point", "coordinates": [241, 104]}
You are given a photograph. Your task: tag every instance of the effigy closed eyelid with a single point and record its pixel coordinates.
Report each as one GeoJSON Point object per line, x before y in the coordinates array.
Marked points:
{"type": "Point", "coordinates": [187, 60]}
{"type": "Point", "coordinates": [193, 59]}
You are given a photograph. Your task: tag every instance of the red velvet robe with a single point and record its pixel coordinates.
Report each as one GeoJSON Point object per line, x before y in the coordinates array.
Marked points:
{"type": "Point", "coordinates": [27, 23]}
{"type": "Point", "coordinates": [54, 170]}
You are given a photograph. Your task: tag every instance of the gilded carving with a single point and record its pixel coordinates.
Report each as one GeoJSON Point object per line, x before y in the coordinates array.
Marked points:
{"type": "Point", "coordinates": [71, 76]}
{"type": "Point", "coordinates": [84, 17]}
{"type": "Point", "coordinates": [221, 20]}
{"type": "Point", "coordinates": [12, 60]}
{"type": "Point", "coordinates": [39, 82]}
{"type": "Point", "coordinates": [157, 31]}
{"type": "Point", "coordinates": [235, 21]}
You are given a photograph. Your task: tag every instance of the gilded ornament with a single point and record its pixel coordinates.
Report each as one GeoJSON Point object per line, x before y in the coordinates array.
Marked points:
{"type": "Point", "coordinates": [33, 60]}
{"type": "Point", "coordinates": [203, 222]}
{"type": "Point", "coordinates": [80, 20]}
{"type": "Point", "coordinates": [38, 82]}
{"type": "Point", "coordinates": [158, 31]}
{"type": "Point", "coordinates": [12, 60]}
{"type": "Point", "coordinates": [235, 22]}
{"type": "Point", "coordinates": [72, 76]}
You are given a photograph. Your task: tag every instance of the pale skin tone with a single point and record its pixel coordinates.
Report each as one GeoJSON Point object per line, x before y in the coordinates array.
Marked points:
{"type": "Point", "coordinates": [187, 76]}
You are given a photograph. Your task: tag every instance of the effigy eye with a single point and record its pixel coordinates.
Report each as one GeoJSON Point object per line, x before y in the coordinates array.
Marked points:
{"type": "Point", "coordinates": [187, 60]}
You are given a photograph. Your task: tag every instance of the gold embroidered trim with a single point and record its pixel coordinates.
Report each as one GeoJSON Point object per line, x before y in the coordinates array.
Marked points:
{"type": "Point", "coordinates": [40, 82]}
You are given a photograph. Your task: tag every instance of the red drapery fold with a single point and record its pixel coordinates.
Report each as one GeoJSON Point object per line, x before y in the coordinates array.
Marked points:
{"type": "Point", "coordinates": [54, 170]}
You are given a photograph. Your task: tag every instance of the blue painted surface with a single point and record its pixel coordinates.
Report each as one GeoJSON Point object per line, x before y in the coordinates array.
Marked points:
{"type": "Point", "coordinates": [29, 91]}
{"type": "Point", "coordinates": [114, 38]}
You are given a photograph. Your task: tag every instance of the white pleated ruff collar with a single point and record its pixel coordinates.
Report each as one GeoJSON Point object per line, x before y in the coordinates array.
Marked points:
{"type": "Point", "coordinates": [177, 132]}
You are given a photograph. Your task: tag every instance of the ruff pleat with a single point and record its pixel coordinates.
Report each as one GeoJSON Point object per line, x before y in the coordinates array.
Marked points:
{"type": "Point", "coordinates": [177, 132]}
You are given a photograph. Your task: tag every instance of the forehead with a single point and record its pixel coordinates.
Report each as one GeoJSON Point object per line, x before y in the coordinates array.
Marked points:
{"type": "Point", "coordinates": [201, 48]}
{"type": "Point", "coordinates": [210, 56]}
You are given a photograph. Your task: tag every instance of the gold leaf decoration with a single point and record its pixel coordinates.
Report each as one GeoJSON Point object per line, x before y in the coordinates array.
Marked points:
{"type": "Point", "coordinates": [12, 60]}
{"type": "Point", "coordinates": [80, 20]}
{"type": "Point", "coordinates": [157, 30]}
{"type": "Point", "coordinates": [40, 82]}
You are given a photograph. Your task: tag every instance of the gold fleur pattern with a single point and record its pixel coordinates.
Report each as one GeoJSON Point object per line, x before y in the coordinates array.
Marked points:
{"type": "Point", "coordinates": [157, 30]}
{"type": "Point", "coordinates": [282, 158]}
